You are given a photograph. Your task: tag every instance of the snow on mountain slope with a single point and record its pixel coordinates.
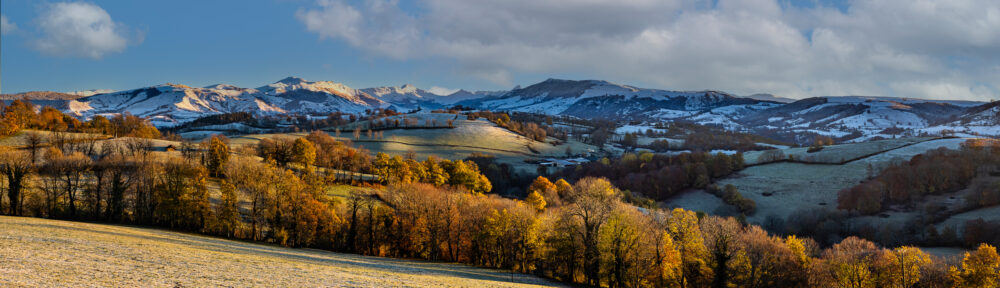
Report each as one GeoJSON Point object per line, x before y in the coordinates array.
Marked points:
{"type": "Point", "coordinates": [86, 93]}
{"type": "Point", "coordinates": [406, 97]}
{"type": "Point", "coordinates": [594, 98]}
{"type": "Point", "coordinates": [852, 117]}
{"type": "Point", "coordinates": [983, 120]}
{"type": "Point", "coordinates": [863, 117]}
{"type": "Point", "coordinates": [293, 87]}
{"type": "Point", "coordinates": [173, 104]}
{"type": "Point", "coordinates": [463, 95]}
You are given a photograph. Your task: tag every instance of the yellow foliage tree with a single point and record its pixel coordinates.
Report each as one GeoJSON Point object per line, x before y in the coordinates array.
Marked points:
{"type": "Point", "coordinates": [905, 264]}
{"type": "Point", "coordinates": [979, 269]}
{"type": "Point", "coordinates": [536, 201]}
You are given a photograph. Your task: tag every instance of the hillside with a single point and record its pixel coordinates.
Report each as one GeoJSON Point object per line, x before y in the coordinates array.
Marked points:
{"type": "Point", "coordinates": [595, 98]}
{"type": "Point", "coordinates": [845, 118]}
{"type": "Point", "coordinates": [40, 95]}
{"type": "Point", "coordinates": [58, 253]}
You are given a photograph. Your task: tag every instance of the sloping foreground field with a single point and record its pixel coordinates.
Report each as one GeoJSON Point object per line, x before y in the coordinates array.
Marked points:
{"type": "Point", "coordinates": [39, 252]}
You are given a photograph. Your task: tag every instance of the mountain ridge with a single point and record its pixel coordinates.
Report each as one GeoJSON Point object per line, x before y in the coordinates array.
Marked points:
{"type": "Point", "coordinates": [861, 117]}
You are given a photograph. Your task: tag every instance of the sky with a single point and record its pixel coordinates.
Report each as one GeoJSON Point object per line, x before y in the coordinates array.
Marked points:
{"type": "Point", "coordinates": [796, 49]}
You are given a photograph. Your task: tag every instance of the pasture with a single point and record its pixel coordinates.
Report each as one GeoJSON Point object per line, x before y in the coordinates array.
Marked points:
{"type": "Point", "coordinates": [782, 188]}
{"type": "Point", "coordinates": [40, 252]}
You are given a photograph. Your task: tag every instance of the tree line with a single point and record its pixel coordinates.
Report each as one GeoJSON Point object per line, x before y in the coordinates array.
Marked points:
{"type": "Point", "coordinates": [521, 124]}
{"type": "Point", "coordinates": [659, 176]}
{"type": "Point", "coordinates": [21, 114]}
{"type": "Point", "coordinates": [578, 233]}
{"type": "Point", "coordinates": [936, 172]}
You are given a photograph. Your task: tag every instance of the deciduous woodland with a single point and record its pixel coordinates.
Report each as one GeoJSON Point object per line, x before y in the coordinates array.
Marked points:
{"type": "Point", "coordinates": [580, 228]}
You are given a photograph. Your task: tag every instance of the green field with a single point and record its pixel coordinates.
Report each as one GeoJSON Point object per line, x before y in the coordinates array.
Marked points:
{"type": "Point", "coordinates": [39, 252]}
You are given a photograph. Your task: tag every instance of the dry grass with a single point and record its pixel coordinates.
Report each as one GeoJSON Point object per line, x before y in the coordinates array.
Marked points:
{"type": "Point", "coordinates": [39, 252]}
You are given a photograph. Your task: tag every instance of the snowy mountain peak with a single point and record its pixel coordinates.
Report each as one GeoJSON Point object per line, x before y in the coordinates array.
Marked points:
{"type": "Point", "coordinates": [86, 93]}
{"type": "Point", "coordinates": [222, 87]}
{"type": "Point", "coordinates": [291, 80]}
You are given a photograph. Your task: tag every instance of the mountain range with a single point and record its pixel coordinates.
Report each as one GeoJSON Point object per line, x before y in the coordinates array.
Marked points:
{"type": "Point", "coordinates": [846, 117]}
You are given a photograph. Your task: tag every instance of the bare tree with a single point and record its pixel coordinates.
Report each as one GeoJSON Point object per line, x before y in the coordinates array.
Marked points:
{"type": "Point", "coordinates": [33, 141]}
{"type": "Point", "coordinates": [15, 166]}
{"type": "Point", "coordinates": [68, 174]}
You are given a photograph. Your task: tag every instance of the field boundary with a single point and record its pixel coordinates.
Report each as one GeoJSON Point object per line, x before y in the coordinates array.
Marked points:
{"type": "Point", "coordinates": [844, 162]}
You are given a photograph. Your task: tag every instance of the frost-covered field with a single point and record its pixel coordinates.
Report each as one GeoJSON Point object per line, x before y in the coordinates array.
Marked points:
{"type": "Point", "coordinates": [20, 139]}
{"type": "Point", "coordinates": [957, 221]}
{"type": "Point", "coordinates": [835, 154]}
{"type": "Point", "coordinates": [795, 186]}
{"type": "Point", "coordinates": [39, 252]}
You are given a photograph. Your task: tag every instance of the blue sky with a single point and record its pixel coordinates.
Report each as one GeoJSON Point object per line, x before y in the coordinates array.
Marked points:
{"type": "Point", "coordinates": [201, 43]}
{"type": "Point", "coordinates": [789, 48]}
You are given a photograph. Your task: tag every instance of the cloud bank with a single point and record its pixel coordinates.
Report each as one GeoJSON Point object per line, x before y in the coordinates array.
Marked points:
{"type": "Point", "coordinates": [79, 29]}
{"type": "Point", "coordinates": [903, 48]}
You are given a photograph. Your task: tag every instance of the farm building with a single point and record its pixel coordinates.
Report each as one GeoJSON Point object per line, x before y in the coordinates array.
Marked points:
{"type": "Point", "coordinates": [553, 162]}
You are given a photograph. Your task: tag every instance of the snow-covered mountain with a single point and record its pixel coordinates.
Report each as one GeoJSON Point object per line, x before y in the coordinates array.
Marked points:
{"type": "Point", "coordinates": [406, 97]}
{"type": "Point", "coordinates": [983, 120]}
{"type": "Point", "coordinates": [463, 95]}
{"type": "Point", "coordinates": [848, 117]}
{"type": "Point", "coordinates": [595, 98]}
{"type": "Point", "coordinates": [862, 117]}
{"type": "Point", "coordinates": [173, 104]}
{"type": "Point", "coordinates": [93, 92]}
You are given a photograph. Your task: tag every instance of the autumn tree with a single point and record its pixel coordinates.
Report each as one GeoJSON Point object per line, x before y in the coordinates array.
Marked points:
{"type": "Point", "coordinates": [182, 196]}
{"type": "Point", "coordinates": [546, 189]}
{"type": "Point", "coordinates": [593, 201]}
{"type": "Point", "coordinates": [767, 261]}
{"type": "Point", "coordinates": [980, 268]}
{"type": "Point", "coordinates": [851, 263]}
{"type": "Point", "coordinates": [621, 242]}
{"type": "Point", "coordinates": [255, 181]}
{"type": "Point", "coordinates": [688, 240]}
{"type": "Point", "coordinates": [905, 266]}
{"type": "Point", "coordinates": [304, 153]}
{"type": "Point", "coordinates": [536, 201]}
{"type": "Point", "coordinates": [720, 239]}
{"type": "Point", "coordinates": [227, 212]}
{"type": "Point", "coordinates": [20, 114]}
{"type": "Point", "coordinates": [217, 154]}
{"type": "Point", "coordinates": [15, 166]}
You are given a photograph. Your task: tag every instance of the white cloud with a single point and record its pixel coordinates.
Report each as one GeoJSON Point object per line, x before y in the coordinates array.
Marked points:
{"type": "Point", "coordinates": [442, 91]}
{"type": "Point", "coordinates": [6, 26]}
{"type": "Point", "coordinates": [905, 48]}
{"type": "Point", "coordinates": [79, 29]}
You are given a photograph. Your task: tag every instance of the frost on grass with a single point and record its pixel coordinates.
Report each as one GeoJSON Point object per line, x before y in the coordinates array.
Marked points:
{"type": "Point", "coordinates": [39, 252]}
